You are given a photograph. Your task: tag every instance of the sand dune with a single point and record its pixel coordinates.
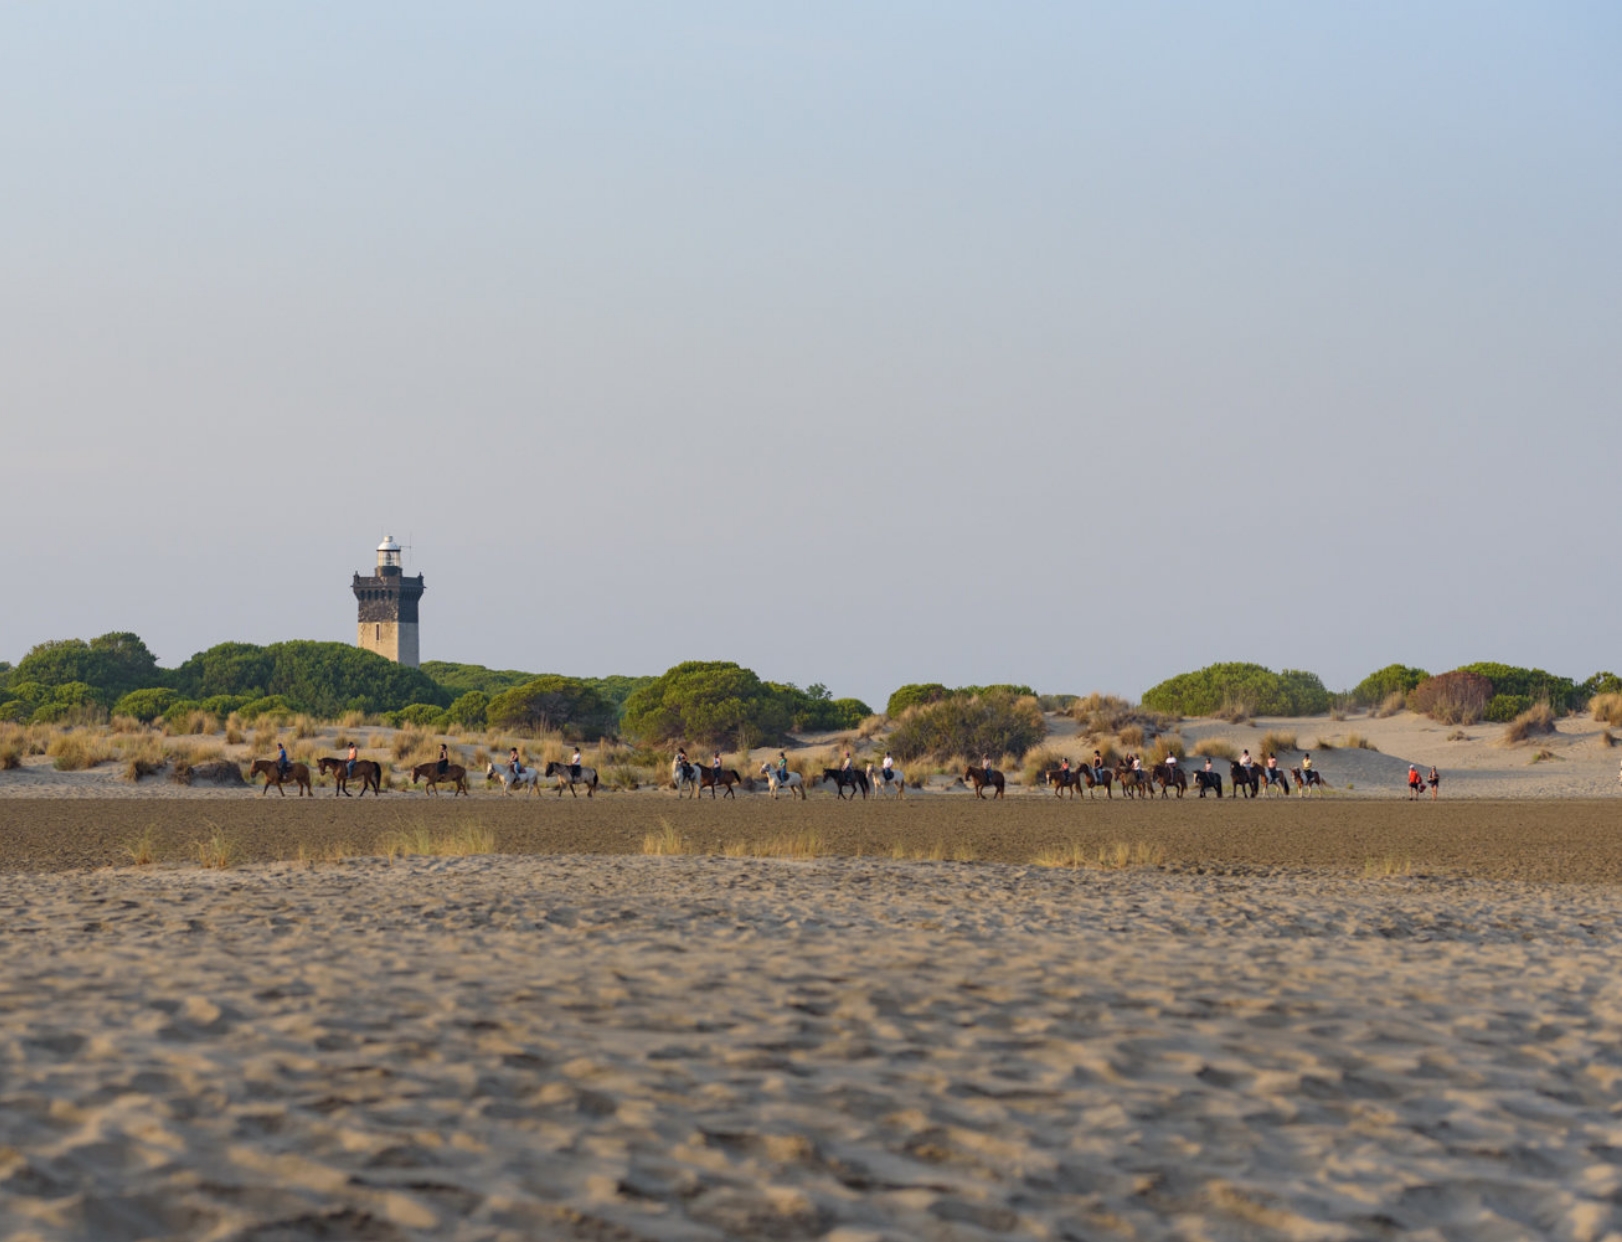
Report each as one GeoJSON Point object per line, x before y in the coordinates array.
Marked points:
{"type": "Point", "coordinates": [619, 1048]}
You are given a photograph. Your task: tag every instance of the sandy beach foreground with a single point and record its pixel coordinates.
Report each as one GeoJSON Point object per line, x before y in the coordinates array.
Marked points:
{"type": "Point", "coordinates": [682, 1048]}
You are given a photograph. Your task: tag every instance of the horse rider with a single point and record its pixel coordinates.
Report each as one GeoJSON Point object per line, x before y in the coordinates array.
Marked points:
{"type": "Point", "coordinates": [1245, 760]}
{"type": "Point", "coordinates": [888, 767]}
{"type": "Point", "coordinates": [444, 759]}
{"type": "Point", "coordinates": [682, 766]}
{"type": "Point", "coordinates": [1137, 764]}
{"type": "Point", "coordinates": [782, 767]}
{"type": "Point", "coordinates": [985, 764]}
{"type": "Point", "coordinates": [1306, 768]}
{"type": "Point", "coordinates": [1208, 763]}
{"type": "Point", "coordinates": [1064, 769]}
{"type": "Point", "coordinates": [513, 764]}
{"type": "Point", "coordinates": [1098, 766]}
{"type": "Point", "coordinates": [715, 766]}
{"type": "Point", "coordinates": [574, 765]}
{"type": "Point", "coordinates": [845, 767]}
{"type": "Point", "coordinates": [354, 754]}
{"type": "Point", "coordinates": [1171, 764]}
{"type": "Point", "coordinates": [282, 761]}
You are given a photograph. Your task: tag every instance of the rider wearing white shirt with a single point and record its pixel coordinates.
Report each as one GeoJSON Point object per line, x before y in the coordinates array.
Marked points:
{"type": "Point", "coordinates": [889, 765]}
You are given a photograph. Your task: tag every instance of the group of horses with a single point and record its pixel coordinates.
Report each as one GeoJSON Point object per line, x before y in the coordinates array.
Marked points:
{"type": "Point", "coordinates": [367, 771]}
{"type": "Point", "coordinates": [697, 778]}
{"type": "Point", "coordinates": [1244, 780]}
{"type": "Point", "coordinates": [566, 775]}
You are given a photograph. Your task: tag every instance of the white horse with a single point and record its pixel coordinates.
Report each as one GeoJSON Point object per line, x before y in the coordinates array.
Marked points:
{"type": "Point", "coordinates": [792, 782]}
{"type": "Point", "coordinates": [529, 778]}
{"type": "Point", "coordinates": [896, 786]}
{"type": "Point", "coordinates": [684, 776]}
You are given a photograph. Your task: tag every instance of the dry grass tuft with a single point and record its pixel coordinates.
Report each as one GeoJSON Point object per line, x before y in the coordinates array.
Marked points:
{"type": "Point", "coordinates": [1537, 720]}
{"type": "Point", "coordinates": [1276, 742]}
{"type": "Point", "coordinates": [1323, 743]}
{"type": "Point", "coordinates": [1606, 708]}
{"type": "Point", "coordinates": [1393, 703]}
{"type": "Point", "coordinates": [1607, 739]}
{"type": "Point", "coordinates": [666, 841]}
{"type": "Point", "coordinates": [13, 747]}
{"type": "Point", "coordinates": [1356, 741]}
{"type": "Point", "coordinates": [74, 752]}
{"type": "Point", "coordinates": [1215, 748]}
{"type": "Point", "coordinates": [1390, 865]}
{"type": "Point", "coordinates": [1544, 756]}
{"type": "Point", "coordinates": [1117, 856]}
{"type": "Point", "coordinates": [218, 852]}
{"type": "Point", "coordinates": [265, 738]}
{"type": "Point", "coordinates": [421, 840]}
{"type": "Point", "coordinates": [795, 845]}
{"type": "Point", "coordinates": [407, 742]}
{"type": "Point", "coordinates": [142, 850]}
{"type": "Point", "coordinates": [333, 852]}
{"type": "Point", "coordinates": [1458, 735]}
{"type": "Point", "coordinates": [1131, 736]}
{"type": "Point", "coordinates": [233, 730]}
{"type": "Point", "coordinates": [872, 726]}
{"type": "Point", "coordinates": [147, 758]}
{"type": "Point", "coordinates": [304, 726]}
{"type": "Point", "coordinates": [1168, 744]}
{"type": "Point", "coordinates": [1233, 712]}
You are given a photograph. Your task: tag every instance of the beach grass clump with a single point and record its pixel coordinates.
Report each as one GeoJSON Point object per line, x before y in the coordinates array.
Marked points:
{"type": "Point", "coordinates": [146, 758]}
{"type": "Point", "coordinates": [1116, 856]}
{"type": "Point", "coordinates": [217, 851]}
{"type": "Point", "coordinates": [1535, 721]}
{"type": "Point", "coordinates": [410, 742]}
{"type": "Point", "coordinates": [665, 841]}
{"type": "Point", "coordinates": [1356, 741]}
{"type": "Point", "coordinates": [13, 747]}
{"type": "Point", "coordinates": [1388, 866]}
{"type": "Point", "coordinates": [1543, 756]}
{"type": "Point", "coordinates": [1215, 748]}
{"type": "Point", "coordinates": [1233, 711]}
{"type": "Point", "coordinates": [1606, 708]}
{"type": "Point", "coordinates": [808, 843]}
{"type": "Point", "coordinates": [1131, 736]}
{"type": "Point", "coordinates": [423, 840]}
{"type": "Point", "coordinates": [1165, 745]}
{"type": "Point", "coordinates": [1458, 735]}
{"type": "Point", "coordinates": [1393, 703]}
{"type": "Point", "coordinates": [1323, 743]}
{"type": "Point", "coordinates": [1277, 742]}
{"type": "Point", "coordinates": [1607, 739]}
{"type": "Point", "coordinates": [76, 751]}
{"type": "Point", "coordinates": [234, 735]}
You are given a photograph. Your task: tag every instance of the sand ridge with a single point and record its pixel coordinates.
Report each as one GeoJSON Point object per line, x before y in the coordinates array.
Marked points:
{"type": "Point", "coordinates": [630, 1047]}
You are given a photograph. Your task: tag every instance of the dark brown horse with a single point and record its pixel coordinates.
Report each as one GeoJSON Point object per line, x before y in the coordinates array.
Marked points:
{"type": "Point", "coordinates": [454, 774]}
{"type": "Point", "coordinates": [1249, 779]}
{"type": "Point", "coordinates": [1165, 775]}
{"type": "Point", "coordinates": [370, 775]}
{"type": "Point", "coordinates": [1308, 780]}
{"type": "Point", "coordinates": [727, 778]}
{"type": "Point", "coordinates": [841, 778]}
{"type": "Point", "coordinates": [1208, 780]}
{"type": "Point", "coordinates": [1104, 776]}
{"type": "Point", "coordinates": [298, 773]}
{"type": "Point", "coordinates": [982, 777]}
{"type": "Point", "coordinates": [1062, 779]}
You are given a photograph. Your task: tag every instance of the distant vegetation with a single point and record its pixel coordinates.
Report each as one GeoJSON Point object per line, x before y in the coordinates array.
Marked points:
{"type": "Point", "coordinates": [1240, 688]}
{"type": "Point", "coordinates": [921, 693]}
{"type": "Point", "coordinates": [1380, 685]}
{"type": "Point", "coordinates": [993, 722]}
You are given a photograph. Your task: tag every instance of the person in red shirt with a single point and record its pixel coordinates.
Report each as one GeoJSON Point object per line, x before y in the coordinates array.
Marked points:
{"type": "Point", "coordinates": [1415, 782]}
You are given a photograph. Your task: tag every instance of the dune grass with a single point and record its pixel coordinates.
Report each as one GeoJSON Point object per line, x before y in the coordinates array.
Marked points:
{"type": "Point", "coordinates": [77, 750]}
{"type": "Point", "coordinates": [217, 851]}
{"type": "Point", "coordinates": [1390, 865]}
{"type": "Point", "coordinates": [665, 841]}
{"type": "Point", "coordinates": [1606, 708]}
{"type": "Point", "coordinates": [423, 840]}
{"type": "Point", "coordinates": [1277, 742]}
{"type": "Point", "coordinates": [1116, 856]}
{"type": "Point", "coordinates": [1535, 721]}
{"type": "Point", "coordinates": [1215, 748]}
{"type": "Point", "coordinates": [142, 849]}
{"type": "Point", "coordinates": [1356, 741]}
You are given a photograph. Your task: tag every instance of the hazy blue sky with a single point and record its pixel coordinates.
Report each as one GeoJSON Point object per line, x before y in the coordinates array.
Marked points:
{"type": "Point", "coordinates": [866, 343]}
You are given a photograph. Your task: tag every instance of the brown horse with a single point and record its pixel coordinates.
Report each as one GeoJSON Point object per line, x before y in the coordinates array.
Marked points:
{"type": "Point", "coordinates": [298, 773]}
{"type": "Point", "coordinates": [840, 778]}
{"type": "Point", "coordinates": [454, 774]}
{"type": "Point", "coordinates": [1305, 782]}
{"type": "Point", "coordinates": [1249, 779]}
{"type": "Point", "coordinates": [1165, 775]}
{"type": "Point", "coordinates": [981, 777]}
{"type": "Point", "coordinates": [708, 779]}
{"type": "Point", "coordinates": [1062, 779]}
{"type": "Point", "coordinates": [1134, 781]}
{"type": "Point", "coordinates": [1208, 780]}
{"type": "Point", "coordinates": [1104, 776]}
{"type": "Point", "coordinates": [370, 774]}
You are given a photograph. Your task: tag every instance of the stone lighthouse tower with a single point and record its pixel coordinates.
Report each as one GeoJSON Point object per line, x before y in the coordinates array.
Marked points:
{"type": "Point", "coordinates": [388, 608]}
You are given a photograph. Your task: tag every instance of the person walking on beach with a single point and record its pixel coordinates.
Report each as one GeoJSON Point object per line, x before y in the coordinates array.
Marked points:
{"type": "Point", "coordinates": [1414, 783]}
{"type": "Point", "coordinates": [1436, 782]}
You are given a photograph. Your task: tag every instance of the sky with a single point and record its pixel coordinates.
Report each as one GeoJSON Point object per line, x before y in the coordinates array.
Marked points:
{"type": "Point", "coordinates": [1065, 344]}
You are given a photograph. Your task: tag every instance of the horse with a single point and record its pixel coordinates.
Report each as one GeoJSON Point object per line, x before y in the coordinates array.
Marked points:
{"type": "Point", "coordinates": [1134, 781]}
{"type": "Point", "coordinates": [370, 774]}
{"type": "Point", "coordinates": [842, 777]}
{"type": "Point", "coordinates": [298, 773]}
{"type": "Point", "coordinates": [1249, 779]}
{"type": "Point", "coordinates": [793, 782]}
{"type": "Point", "coordinates": [454, 773]}
{"type": "Point", "coordinates": [981, 777]}
{"type": "Point", "coordinates": [727, 778]}
{"type": "Point", "coordinates": [1166, 775]}
{"type": "Point", "coordinates": [893, 781]}
{"type": "Point", "coordinates": [566, 777]}
{"type": "Point", "coordinates": [1062, 779]}
{"type": "Point", "coordinates": [1092, 779]}
{"type": "Point", "coordinates": [1305, 781]}
{"type": "Point", "coordinates": [529, 778]}
{"type": "Point", "coordinates": [1276, 776]}
{"type": "Point", "coordinates": [684, 776]}
{"type": "Point", "coordinates": [1208, 780]}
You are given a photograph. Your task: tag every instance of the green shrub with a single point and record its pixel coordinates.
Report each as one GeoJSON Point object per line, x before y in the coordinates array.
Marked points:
{"type": "Point", "coordinates": [222, 705]}
{"type": "Point", "coordinates": [16, 711]}
{"type": "Point", "coordinates": [1601, 683]}
{"type": "Point", "coordinates": [706, 702]}
{"type": "Point", "coordinates": [552, 703]}
{"type": "Point", "coordinates": [1258, 691]}
{"type": "Point", "coordinates": [112, 665]}
{"type": "Point", "coordinates": [146, 705]}
{"type": "Point", "coordinates": [914, 695]}
{"type": "Point", "coordinates": [323, 679]}
{"type": "Point", "coordinates": [1378, 686]}
{"type": "Point", "coordinates": [180, 710]}
{"type": "Point", "coordinates": [1459, 697]}
{"type": "Point", "coordinates": [417, 715]}
{"type": "Point", "coordinates": [815, 710]}
{"type": "Point", "coordinates": [993, 724]}
{"type": "Point", "coordinates": [1502, 708]}
{"type": "Point", "coordinates": [469, 710]}
{"type": "Point", "coordinates": [1561, 693]}
{"type": "Point", "coordinates": [273, 705]}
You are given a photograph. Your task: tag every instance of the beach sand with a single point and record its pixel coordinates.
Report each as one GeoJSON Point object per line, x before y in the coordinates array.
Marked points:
{"type": "Point", "coordinates": [704, 1048]}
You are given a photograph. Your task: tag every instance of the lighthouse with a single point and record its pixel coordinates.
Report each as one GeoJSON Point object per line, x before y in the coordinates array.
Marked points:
{"type": "Point", "coordinates": [388, 608]}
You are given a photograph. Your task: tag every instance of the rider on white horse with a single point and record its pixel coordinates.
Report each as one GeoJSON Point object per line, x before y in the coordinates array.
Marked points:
{"type": "Point", "coordinates": [888, 768]}
{"type": "Point", "coordinates": [782, 767]}
{"type": "Point", "coordinates": [513, 763]}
